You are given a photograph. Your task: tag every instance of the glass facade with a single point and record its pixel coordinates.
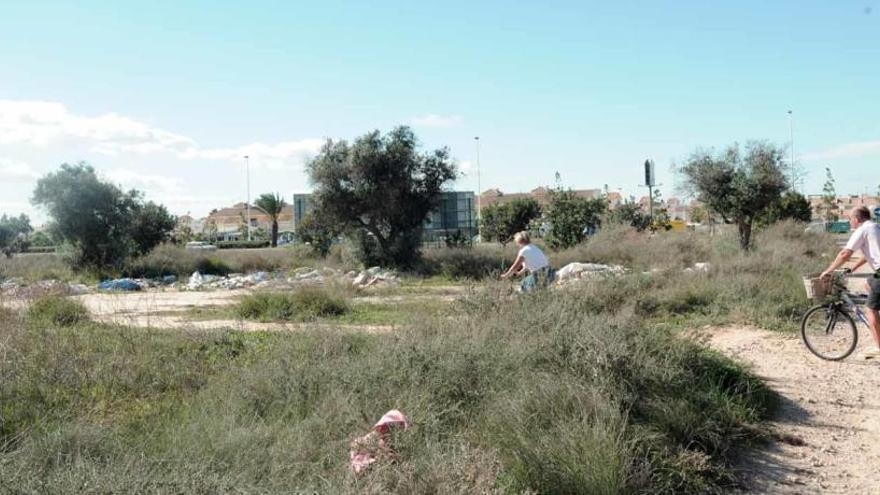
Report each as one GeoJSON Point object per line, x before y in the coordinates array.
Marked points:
{"type": "Point", "coordinates": [301, 207]}
{"type": "Point", "coordinates": [456, 212]}
{"type": "Point", "coordinates": [456, 215]}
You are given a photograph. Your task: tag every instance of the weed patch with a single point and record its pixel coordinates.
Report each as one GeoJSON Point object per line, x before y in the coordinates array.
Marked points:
{"type": "Point", "coordinates": [59, 311]}
{"type": "Point", "coordinates": [301, 304]}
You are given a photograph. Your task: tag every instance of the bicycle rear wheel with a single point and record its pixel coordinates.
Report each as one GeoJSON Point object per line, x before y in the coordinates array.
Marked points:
{"type": "Point", "coordinates": [829, 332]}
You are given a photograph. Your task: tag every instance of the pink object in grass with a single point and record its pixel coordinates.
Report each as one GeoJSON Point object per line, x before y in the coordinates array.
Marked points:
{"type": "Point", "coordinates": [367, 449]}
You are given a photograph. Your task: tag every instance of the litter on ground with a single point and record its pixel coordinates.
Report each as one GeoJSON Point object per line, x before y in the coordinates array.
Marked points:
{"type": "Point", "coordinates": [375, 445]}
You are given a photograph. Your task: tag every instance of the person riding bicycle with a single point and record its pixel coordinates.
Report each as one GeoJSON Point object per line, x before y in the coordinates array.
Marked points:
{"type": "Point", "coordinates": [865, 238]}
{"type": "Point", "coordinates": [531, 259]}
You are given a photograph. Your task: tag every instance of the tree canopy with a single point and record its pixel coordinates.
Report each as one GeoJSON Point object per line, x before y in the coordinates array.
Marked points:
{"type": "Point", "coordinates": [572, 217]}
{"type": "Point", "coordinates": [380, 189]}
{"type": "Point", "coordinates": [101, 223]}
{"type": "Point", "coordinates": [501, 221]}
{"type": "Point", "coordinates": [14, 233]}
{"type": "Point", "coordinates": [738, 185]}
{"type": "Point", "coordinates": [791, 206]}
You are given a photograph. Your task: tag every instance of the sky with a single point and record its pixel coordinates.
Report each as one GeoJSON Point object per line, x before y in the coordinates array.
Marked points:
{"type": "Point", "coordinates": [169, 96]}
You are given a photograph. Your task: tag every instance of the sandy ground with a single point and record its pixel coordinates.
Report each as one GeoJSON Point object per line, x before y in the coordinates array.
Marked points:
{"type": "Point", "coordinates": [156, 309]}
{"type": "Point", "coordinates": [828, 426]}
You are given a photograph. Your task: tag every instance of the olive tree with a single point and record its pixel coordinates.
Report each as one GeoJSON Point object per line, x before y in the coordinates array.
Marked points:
{"type": "Point", "coordinates": [380, 189]}
{"type": "Point", "coordinates": [739, 185]}
{"type": "Point", "coordinates": [102, 224]}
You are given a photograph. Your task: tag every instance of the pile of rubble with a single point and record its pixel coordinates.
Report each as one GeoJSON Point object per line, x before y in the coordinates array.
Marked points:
{"type": "Point", "coordinates": [373, 277]}
{"type": "Point", "coordinates": [303, 276]}
{"type": "Point", "coordinates": [17, 287]}
{"type": "Point", "coordinates": [573, 272]}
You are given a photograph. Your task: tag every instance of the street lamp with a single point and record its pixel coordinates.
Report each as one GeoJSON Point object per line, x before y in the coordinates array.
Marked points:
{"type": "Point", "coordinates": [247, 166]}
{"type": "Point", "coordinates": [479, 195]}
{"type": "Point", "coordinates": [791, 145]}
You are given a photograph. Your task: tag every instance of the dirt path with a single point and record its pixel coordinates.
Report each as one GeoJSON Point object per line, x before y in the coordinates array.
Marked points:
{"type": "Point", "coordinates": [828, 426]}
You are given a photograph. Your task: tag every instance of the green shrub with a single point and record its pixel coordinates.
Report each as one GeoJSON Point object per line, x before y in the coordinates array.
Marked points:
{"type": "Point", "coordinates": [302, 304]}
{"type": "Point", "coordinates": [466, 264]}
{"type": "Point", "coordinates": [241, 244]}
{"type": "Point", "coordinates": [41, 249]}
{"type": "Point", "coordinates": [58, 311]}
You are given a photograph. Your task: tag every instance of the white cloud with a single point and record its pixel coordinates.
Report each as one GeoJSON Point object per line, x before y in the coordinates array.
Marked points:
{"type": "Point", "coordinates": [159, 184]}
{"type": "Point", "coordinates": [271, 156]}
{"type": "Point", "coordinates": [848, 150]}
{"type": "Point", "coordinates": [12, 170]}
{"type": "Point", "coordinates": [465, 166]}
{"type": "Point", "coordinates": [434, 120]}
{"type": "Point", "coordinates": [40, 123]}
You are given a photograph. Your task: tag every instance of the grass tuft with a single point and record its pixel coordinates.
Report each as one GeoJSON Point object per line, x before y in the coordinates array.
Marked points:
{"type": "Point", "coordinates": [56, 310]}
{"type": "Point", "coordinates": [304, 303]}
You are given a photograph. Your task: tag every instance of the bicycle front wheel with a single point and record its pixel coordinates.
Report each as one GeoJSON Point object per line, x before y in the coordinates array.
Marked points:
{"type": "Point", "coordinates": [829, 332]}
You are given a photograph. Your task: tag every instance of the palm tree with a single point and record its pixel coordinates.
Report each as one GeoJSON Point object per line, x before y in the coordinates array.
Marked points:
{"type": "Point", "coordinates": [272, 204]}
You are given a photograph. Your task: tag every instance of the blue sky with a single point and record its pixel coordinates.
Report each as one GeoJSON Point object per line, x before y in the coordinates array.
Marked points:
{"type": "Point", "coordinates": [168, 96]}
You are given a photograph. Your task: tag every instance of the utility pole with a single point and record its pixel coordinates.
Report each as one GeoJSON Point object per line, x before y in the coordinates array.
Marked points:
{"type": "Point", "coordinates": [247, 166]}
{"type": "Point", "coordinates": [791, 147]}
{"type": "Point", "coordinates": [649, 181]}
{"type": "Point", "coordinates": [479, 195]}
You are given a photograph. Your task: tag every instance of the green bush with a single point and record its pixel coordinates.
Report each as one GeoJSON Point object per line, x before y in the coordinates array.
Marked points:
{"type": "Point", "coordinates": [302, 304]}
{"type": "Point", "coordinates": [466, 264]}
{"type": "Point", "coordinates": [57, 310]}
{"type": "Point", "coordinates": [241, 244]}
{"type": "Point", "coordinates": [41, 249]}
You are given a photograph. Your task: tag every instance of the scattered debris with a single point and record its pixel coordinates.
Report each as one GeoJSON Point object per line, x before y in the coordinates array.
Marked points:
{"type": "Point", "coordinates": [78, 289]}
{"type": "Point", "coordinates": [124, 284]}
{"type": "Point", "coordinates": [368, 449]}
{"type": "Point", "coordinates": [17, 287]}
{"type": "Point", "coordinates": [372, 277]}
{"type": "Point", "coordinates": [580, 271]}
{"type": "Point", "coordinates": [698, 268]}
{"type": "Point", "coordinates": [375, 276]}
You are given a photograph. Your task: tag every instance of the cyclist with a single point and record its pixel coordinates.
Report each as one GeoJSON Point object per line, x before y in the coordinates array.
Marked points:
{"type": "Point", "coordinates": [531, 259]}
{"type": "Point", "coordinates": [865, 238]}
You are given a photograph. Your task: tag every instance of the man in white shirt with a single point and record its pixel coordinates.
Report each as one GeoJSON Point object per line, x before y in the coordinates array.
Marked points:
{"type": "Point", "coordinates": [532, 260]}
{"type": "Point", "coordinates": [865, 238]}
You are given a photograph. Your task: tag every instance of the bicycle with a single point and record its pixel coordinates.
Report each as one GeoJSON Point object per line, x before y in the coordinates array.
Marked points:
{"type": "Point", "coordinates": [829, 329]}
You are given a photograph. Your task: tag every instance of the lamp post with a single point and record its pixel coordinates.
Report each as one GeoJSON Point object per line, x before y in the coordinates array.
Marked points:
{"type": "Point", "coordinates": [791, 147]}
{"type": "Point", "coordinates": [247, 166]}
{"type": "Point", "coordinates": [479, 195]}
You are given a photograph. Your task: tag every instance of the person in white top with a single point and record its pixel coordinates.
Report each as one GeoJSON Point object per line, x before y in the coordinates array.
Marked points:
{"type": "Point", "coordinates": [865, 238]}
{"type": "Point", "coordinates": [532, 260]}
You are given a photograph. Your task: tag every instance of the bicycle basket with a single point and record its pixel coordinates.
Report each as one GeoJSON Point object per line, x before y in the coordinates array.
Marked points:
{"type": "Point", "coordinates": [817, 288]}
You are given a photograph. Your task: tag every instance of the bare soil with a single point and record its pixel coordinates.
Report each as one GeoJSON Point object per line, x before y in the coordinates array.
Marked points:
{"type": "Point", "coordinates": [827, 431]}
{"type": "Point", "coordinates": [169, 310]}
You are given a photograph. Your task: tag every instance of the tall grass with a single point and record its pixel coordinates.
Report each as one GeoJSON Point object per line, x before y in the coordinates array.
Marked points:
{"type": "Point", "coordinates": [304, 303]}
{"type": "Point", "coordinates": [36, 267]}
{"type": "Point", "coordinates": [57, 310]}
{"type": "Point", "coordinates": [543, 394]}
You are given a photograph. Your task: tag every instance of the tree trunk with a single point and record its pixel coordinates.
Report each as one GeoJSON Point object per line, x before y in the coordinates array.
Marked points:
{"type": "Point", "coordinates": [745, 234]}
{"type": "Point", "coordinates": [274, 233]}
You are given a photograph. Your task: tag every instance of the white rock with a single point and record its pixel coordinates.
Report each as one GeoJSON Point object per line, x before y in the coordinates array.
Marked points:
{"type": "Point", "coordinates": [360, 279]}
{"type": "Point", "coordinates": [196, 280]}
{"type": "Point", "coordinates": [701, 267]}
{"type": "Point", "coordinates": [77, 289]}
{"type": "Point", "coordinates": [581, 270]}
